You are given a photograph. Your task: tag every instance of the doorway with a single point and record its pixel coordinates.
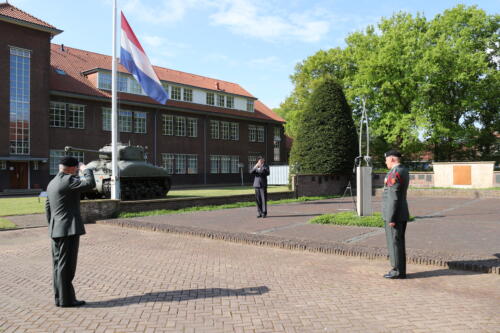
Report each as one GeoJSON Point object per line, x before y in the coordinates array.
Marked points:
{"type": "Point", "coordinates": [18, 175]}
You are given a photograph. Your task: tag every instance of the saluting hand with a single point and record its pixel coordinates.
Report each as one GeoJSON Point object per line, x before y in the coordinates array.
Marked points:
{"type": "Point", "coordinates": [392, 224]}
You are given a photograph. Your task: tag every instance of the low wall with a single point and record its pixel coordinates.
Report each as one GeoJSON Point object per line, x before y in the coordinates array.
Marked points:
{"type": "Point", "coordinates": [317, 185]}
{"type": "Point", "coordinates": [448, 193]}
{"type": "Point", "coordinates": [496, 179]}
{"type": "Point", "coordinates": [144, 205]}
{"type": "Point", "coordinates": [464, 174]}
{"type": "Point", "coordinates": [93, 210]}
{"type": "Point", "coordinates": [417, 179]}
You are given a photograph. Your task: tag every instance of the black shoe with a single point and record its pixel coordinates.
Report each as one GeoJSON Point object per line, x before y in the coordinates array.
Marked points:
{"type": "Point", "coordinates": [73, 305]}
{"type": "Point", "coordinates": [259, 216]}
{"type": "Point", "coordinates": [264, 216]}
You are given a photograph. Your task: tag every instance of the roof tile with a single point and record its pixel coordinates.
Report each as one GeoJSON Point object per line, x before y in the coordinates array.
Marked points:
{"type": "Point", "coordinates": [8, 10]}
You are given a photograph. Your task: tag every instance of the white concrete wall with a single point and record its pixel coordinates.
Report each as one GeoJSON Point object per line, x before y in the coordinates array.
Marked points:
{"type": "Point", "coordinates": [481, 174]}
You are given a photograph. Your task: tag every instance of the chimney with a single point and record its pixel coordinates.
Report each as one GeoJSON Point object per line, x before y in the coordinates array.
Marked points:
{"type": "Point", "coordinates": [218, 87]}
{"type": "Point", "coordinates": [62, 47]}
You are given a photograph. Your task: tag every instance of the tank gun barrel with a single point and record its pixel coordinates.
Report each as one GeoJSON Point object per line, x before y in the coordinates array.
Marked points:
{"type": "Point", "coordinates": [70, 149]}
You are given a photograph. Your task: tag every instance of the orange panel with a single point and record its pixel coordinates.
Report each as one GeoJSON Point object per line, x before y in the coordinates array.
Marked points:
{"type": "Point", "coordinates": [462, 175]}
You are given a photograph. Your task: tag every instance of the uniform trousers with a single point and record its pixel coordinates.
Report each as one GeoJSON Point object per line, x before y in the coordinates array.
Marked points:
{"type": "Point", "coordinates": [261, 200]}
{"type": "Point", "coordinates": [396, 246]}
{"type": "Point", "coordinates": [64, 258]}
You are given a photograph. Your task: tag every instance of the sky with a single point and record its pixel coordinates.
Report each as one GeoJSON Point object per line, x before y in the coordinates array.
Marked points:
{"type": "Point", "coordinates": [255, 43]}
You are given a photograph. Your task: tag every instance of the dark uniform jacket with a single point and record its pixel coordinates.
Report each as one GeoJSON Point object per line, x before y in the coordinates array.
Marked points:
{"type": "Point", "coordinates": [261, 174]}
{"type": "Point", "coordinates": [63, 203]}
{"type": "Point", "coordinates": [395, 207]}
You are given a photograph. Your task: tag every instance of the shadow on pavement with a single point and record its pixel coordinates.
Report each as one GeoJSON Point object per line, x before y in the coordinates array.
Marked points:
{"type": "Point", "coordinates": [439, 272]}
{"type": "Point", "coordinates": [293, 215]}
{"type": "Point", "coordinates": [178, 296]}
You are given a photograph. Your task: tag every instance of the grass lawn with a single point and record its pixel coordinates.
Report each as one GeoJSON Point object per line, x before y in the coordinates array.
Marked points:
{"type": "Point", "coordinates": [351, 218]}
{"type": "Point", "coordinates": [21, 206]}
{"type": "Point", "coordinates": [6, 224]}
{"type": "Point", "coordinates": [221, 191]}
{"type": "Point", "coordinates": [217, 207]}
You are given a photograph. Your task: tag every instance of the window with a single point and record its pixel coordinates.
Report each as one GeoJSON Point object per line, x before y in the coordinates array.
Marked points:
{"type": "Point", "coordinates": [225, 164]}
{"type": "Point", "coordinates": [135, 87]}
{"type": "Point", "coordinates": [252, 133]}
{"type": "Point", "coordinates": [165, 86]}
{"type": "Point", "coordinates": [180, 164]}
{"type": "Point", "coordinates": [176, 93]}
{"type": "Point", "coordinates": [57, 114]}
{"type": "Point", "coordinates": [106, 119]}
{"type": "Point", "coordinates": [104, 79]}
{"type": "Point", "coordinates": [125, 121]}
{"type": "Point", "coordinates": [214, 129]}
{"type": "Point", "coordinates": [214, 163]}
{"type": "Point", "coordinates": [56, 155]}
{"type": "Point", "coordinates": [276, 144]}
{"type": "Point", "coordinates": [168, 124]}
{"type": "Point", "coordinates": [192, 127]}
{"type": "Point", "coordinates": [225, 130]}
{"type": "Point", "coordinates": [210, 98]}
{"type": "Point", "coordinates": [249, 105]}
{"type": "Point", "coordinates": [19, 113]}
{"type": "Point", "coordinates": [235, 131]}
{"type": "Point", "coordinates": [235, 164]}
{"type": "Point", "coordinates": [36, 165]}
{"type": "Point", "coordinates": [260, 133]}
{"type": "Point", "coordinates": [252, 160]}
{"type": "Point", "coordinates": [168, 163]}
{"type": "Point", "coordinates": [188, 95]}
{"type": "Point", "coordinates": [221, 100]}
{"type": "Point", "coordinates": [192, 164]}
{"type": "Point", "coordinates": [3, 165]}
{"type": "Point", "coordinates": [230, 102]}
{"type": "Point", "coordinates": [140, 122]}
{"type": "Point", "coordinates": [76, 116]}
{"type": "Point", "coordinates": [180, 128]}
{"type": "Point", "coordinates": [122, 82]}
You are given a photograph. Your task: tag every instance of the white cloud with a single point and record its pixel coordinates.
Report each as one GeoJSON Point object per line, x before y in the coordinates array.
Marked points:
{"type": "Point", "coordinates": [256, 20]}
{"type": "Point", "coordinates": [166, 11]}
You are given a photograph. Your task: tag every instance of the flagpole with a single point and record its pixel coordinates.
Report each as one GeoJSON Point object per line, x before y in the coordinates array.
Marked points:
{"type": "Point", "coordinates": [115, 180]}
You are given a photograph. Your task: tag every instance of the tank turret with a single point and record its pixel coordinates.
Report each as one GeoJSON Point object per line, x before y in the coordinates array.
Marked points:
{"type": "Point", "coordinates": [138, 178]}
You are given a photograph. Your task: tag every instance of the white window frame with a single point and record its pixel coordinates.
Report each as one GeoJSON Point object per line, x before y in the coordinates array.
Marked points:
{"type": "Point", "coordinates": [214, 164]}
{"type": "Point", "coordinates": [3, 165]}
{"type": "Point", "coordinates": [214, 129]}
{"type": "Point", "coordinates": [235, 164]}
{"type": "Point", "coordinates": [225, 129]}
{"type": "Point", "coordinates": [210, 98]}
{"type": "Point", "coordinates": [125, 122]}
{"type": "Point", "coordinates": [192, 164]}
{"type": "Point", "coordinates": [261, 134]}
{"type": "Point", "coordinates": [221, 100]}
{"type": "Point", "coordinates": [225, 164]}
{"type": "Point", "coordinates": [55, 156]}
{"type": "Point", "coordinates": [168, 124]}
{"type": "Point", "coordinates": [230, 102]}
{"type": "Point", "coordinates": [192, 127]}
{"type": "Point", "coordinates": [250, 105]}
{"type": "Point", "coordinates": [180, 126]}
{"type": "Point", "coordinates": [176, 93]}
{"type": "Point", "coordinates": [180, 164]}
{"type": "Point", "coordinates": [76, 116]}
{"type": "Point", "coordinates": [168, 161]}
{"type": "Point", "coordinates": [235, 131]}
{"type": "Point", "coordinates": [57, 114]}
{"type": "Point", "coordinates": [187, 95]}
{"type": "Point", "coordinates": [140, 122]}
{"type": "Point", "coordinates": [252, 133]}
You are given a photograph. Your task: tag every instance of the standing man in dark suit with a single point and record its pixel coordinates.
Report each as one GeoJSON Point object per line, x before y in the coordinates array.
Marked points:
{"type": "Point", "coordinates": [261, 171]}
{"type": "Point", "coordinates": [395, 213]}
{"type": "Point", "coordinates": [66, 226]}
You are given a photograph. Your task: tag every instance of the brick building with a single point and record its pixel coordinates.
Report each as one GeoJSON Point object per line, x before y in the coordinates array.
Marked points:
{"type": "Point", "coordinates": [53, 95]}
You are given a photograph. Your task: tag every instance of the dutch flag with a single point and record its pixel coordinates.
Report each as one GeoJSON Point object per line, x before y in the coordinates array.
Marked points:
{"type": "Point", "coordinates": [135, 60]}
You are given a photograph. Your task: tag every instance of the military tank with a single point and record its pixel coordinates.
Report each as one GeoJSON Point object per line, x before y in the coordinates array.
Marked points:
{"type": "Point", "coordinates": [138, 179]}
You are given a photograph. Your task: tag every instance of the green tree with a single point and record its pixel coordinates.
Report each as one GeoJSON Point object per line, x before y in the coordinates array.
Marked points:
{"type": "Point", "coordinates": [326, 140]}
{"type": "Point", "coordinates": [427, 83]}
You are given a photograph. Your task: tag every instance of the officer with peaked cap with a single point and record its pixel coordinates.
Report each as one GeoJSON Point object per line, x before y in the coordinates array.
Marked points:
{"type": "Point", "coordinates": [395, 213]}
{"type": "Point", "coordinates": [66, 226]}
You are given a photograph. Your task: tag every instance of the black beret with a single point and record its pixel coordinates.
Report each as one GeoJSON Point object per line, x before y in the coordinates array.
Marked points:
{"type": "Point", "coordinates": [392, 152]}
{"type": "Point", "coordinates": [69, 161]}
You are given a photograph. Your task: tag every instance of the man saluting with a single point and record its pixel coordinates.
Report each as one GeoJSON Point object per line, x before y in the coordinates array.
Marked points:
{"type": "Point", "coordinates": [66, 226]}
{"type": "Point", "coordinates": [261, 171]}
{"type": "Point", "coordinates": [395, 213]}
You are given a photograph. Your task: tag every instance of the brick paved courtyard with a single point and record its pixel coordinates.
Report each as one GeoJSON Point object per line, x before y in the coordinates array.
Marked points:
{"type": "Point", "coordinates": [140, 281]}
